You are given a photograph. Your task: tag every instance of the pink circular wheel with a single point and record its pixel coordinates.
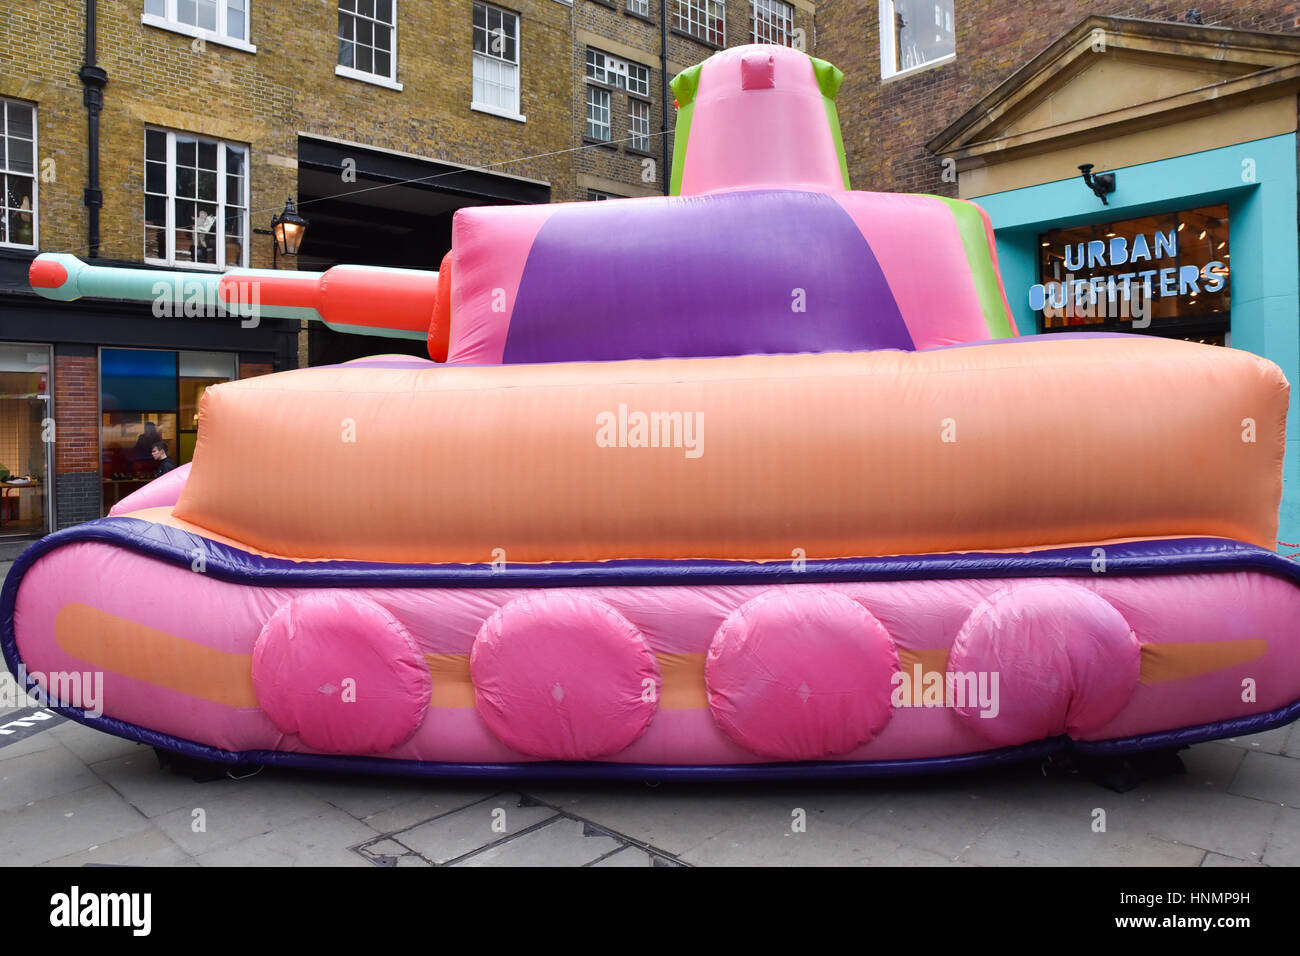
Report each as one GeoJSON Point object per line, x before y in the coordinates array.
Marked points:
{"type": "Point", "coordinates": [564, 677]}
{"type": "Point", "coordinates": [1053, 657]}
{"type": "Point", "coordinates": [801, 674]}
{"type": "Point", "coordinates": [341, 673]}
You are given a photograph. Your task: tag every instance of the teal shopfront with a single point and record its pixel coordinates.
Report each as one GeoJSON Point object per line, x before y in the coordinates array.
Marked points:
{"type": "Point", "coordinates": [1142, 177]}
{"type": "Point", "coordinates": [1256, 183]}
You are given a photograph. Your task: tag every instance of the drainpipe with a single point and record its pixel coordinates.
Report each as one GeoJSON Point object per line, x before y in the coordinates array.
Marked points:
{"type": "Point", "coordinates": [93, 78]}
{"type": "Point", "coordinates": [666, 173]}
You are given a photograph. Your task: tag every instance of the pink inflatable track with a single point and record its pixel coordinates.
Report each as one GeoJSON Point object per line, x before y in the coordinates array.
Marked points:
{"type": "Point", "coordinates": [662, 674]}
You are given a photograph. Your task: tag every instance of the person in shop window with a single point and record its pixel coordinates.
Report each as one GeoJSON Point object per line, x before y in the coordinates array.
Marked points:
{"type": "Point", "coordinates": [165, 464]}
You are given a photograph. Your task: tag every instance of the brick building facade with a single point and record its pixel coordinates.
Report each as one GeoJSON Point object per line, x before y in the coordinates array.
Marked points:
{"type": "Point", "coordinates": [887, 122]}
{"type": "Point", "coordinates": [624, 53]}
{"type": "Point", "coordinates": [1100, 128]}
{"type": "Point", "coordinates": [379, 117]}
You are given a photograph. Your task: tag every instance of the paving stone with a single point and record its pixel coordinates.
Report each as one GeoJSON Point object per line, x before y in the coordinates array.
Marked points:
{"type": "Point", "coordinates": [1212, 820]}
{"type": "Point", "coordinates": [432, 802]}
{"type": "Point", "coordinates": [676, 818]}
{"type": "Point", "coordinates": [1213, 765]}
{"type": "Point", "coordinates": [1047, 835]}
{"type": "Point", "coordinates": [385, 848]}
{"type": "Point", "coordinates": [1270, 741]}
{"type": "Point", "coordinates": [1218, 860]}
{"type": "Point", "coordinates": [628, 856]}
{"type": "Point", "coordinates": [321, 840]}
{"type": "Point", "coordinates": [769, 844]}
{"type": "Point", "coordinates": [44, 740]}
{"type": "Point", "coordinates": [150, 788]}
{"type": "Point", "coordinates": [1283, 845]}
{"type": "Point", "coordinates": [234, 810]}
{"type": "Point", "coordinates": [68, 823]}
{"type": "Point", "coordinates": [1269, 777]}
{"type": "Point", "coordinates": [565, 842]}
{"type": "Point", "coordinates": [1293, 742]}
{"type": "Point", "coordinates": [93, 746]}
{"type": "Point", "coordinates": [9, 692]}
{"type": "Point", "coordinates": [365, 797]}
{"type": "Point", "coordinates": [149, 847]}
{"type": "Point", "coordinates": [42, 774]}
{"type": "Point", "coordinates": [941, 821]}
{"type": "Point", "coordinates": [462, 831]}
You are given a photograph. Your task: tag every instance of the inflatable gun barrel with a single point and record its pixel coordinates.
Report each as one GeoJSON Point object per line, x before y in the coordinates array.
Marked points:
{"type": "Point", "coordinates": [343, 297]}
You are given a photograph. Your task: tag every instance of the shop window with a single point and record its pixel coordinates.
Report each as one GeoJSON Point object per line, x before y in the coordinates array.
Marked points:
{"type": "Point", "coordinates": [1166, 274]}
{"type": "Point", "coordinates": [771, 21]}
{"type": "Point", "coordinates": [17, 174]}
{"type": "Point", "coordinates": [223, 21]}
{"type": "Point", "coordinates": [596, 195]}
{"type": "Point", "coordinates": [198, 371]}
{"type": "Point", "coordinates": [598, 114]}
{"type": "Point", "coordinates": [24, 427]}
{"type": "Point", "coordinates": [368, 40]}
{"type": "Point", "coordinates": [148, 396]}
{"type": "Point", "coordinates": [915, 33]}
{"type": "Point", "coordinates": [703, 19]}
{"type": "Point", "coordinates": [496, 61]}
{"type": "Point", "coordinates": [195, 201]}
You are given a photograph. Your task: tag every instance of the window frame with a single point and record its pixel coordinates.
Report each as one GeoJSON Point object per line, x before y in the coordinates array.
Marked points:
{"type": "Point", "coordinates": [599, 91]}
{"type": "Point", "coordinates": [351, 72]}
{"type": "Point", "coordinates": [787, 25]}
{"type": "Point", "coordinates": [220, 226]}
{"type": "Point", "coordinates": [5, 103]}
{"type": "Point", "coordinates": [888, 50]}
{"type": "Point", "coordinates": [490, 108]}
{"type": "Point", "coordinates": [627, 8]}
{"type": "Point", "coordinates": [621, 80]}
{"type": "Point", "coordinates": [703, 7]}
{"type": "Point", "coordinates": [171, 21]}
{"type": "Point", "coordinates": [634, 138]}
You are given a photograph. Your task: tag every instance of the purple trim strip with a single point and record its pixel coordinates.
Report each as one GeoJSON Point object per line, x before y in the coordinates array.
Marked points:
{"type": "Point", "coordinates": [1178, 555]}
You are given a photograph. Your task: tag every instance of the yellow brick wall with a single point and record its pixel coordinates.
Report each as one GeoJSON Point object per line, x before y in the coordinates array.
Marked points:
{"type": "Point", "coordinates": [264, 100]}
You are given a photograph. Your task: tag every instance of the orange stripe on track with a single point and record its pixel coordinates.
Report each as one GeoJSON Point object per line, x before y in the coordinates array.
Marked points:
{"type": "Point", "coordinates": [1176, 660]}
{"type": "Point", "coordinates": [682, 689]}
{"type": "Point", "coordinates": [111, 643]}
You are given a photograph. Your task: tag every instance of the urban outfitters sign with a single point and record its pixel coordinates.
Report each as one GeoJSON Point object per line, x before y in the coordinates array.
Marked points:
{"type": "Point", "coordinates": [1132, 276]}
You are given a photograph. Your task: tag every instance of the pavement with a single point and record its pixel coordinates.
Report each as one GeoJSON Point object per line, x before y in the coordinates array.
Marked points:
{"type": "Point", "coordinates": [74, 796]}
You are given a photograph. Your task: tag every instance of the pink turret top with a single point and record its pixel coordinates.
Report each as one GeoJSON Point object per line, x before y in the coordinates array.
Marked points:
{"type": "Point", "coordinates": [758, 116]}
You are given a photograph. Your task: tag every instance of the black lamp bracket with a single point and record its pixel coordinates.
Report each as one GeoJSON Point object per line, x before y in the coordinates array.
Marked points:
{"type": "Point", "coordinates": [1102, 184]}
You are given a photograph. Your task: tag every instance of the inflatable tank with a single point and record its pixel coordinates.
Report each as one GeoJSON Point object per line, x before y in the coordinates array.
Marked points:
{"type": "Point", "coordinates": [754, 479]}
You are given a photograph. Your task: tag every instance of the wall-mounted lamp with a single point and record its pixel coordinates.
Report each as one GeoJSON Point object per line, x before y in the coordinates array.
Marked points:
{"type": "Point", "coordinates": [1102, 185]}
{"type": "Point", "coordinates": [288, 228]}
